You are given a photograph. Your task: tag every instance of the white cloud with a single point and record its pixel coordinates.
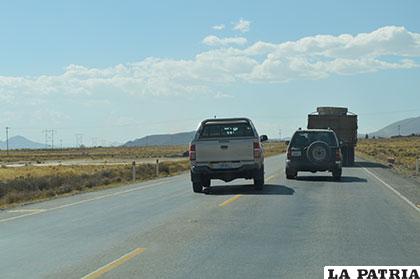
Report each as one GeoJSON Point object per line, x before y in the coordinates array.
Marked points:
{"type": "Point", "coordinates": [218, 27]}
{"type": "Point", "coordinates": [312, 57]}
{"type": "Point", "coordinates": [242, 25]}
{"type": "Point", "coordinates": [216, 41]}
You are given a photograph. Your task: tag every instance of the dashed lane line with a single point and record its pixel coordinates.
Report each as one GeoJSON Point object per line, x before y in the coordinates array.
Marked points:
{"type": "Point", "coordinates": [114, 264]}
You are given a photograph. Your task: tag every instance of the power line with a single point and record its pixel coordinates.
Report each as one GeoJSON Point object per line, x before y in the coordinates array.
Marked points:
{"type": "Point", "coordinates": [141, 123]}
{"type": "Point", "coordinates": [105, 126]}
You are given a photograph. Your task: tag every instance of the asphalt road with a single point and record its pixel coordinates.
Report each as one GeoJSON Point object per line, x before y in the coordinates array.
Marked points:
{"type": "Point", "coordinates": [161, 229]}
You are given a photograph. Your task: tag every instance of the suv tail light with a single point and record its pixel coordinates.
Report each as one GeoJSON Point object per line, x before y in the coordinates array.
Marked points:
{"type": "Point", "coordinates": [192, 152]}
{"type": "Point", "coordinates": [337, 155]}
{"type": "Point", "coordinates": [289, 154]}
{"type": "Point", "coordinates": [257, 150]}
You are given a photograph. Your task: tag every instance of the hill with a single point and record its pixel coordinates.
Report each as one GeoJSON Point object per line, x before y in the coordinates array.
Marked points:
{"type": "Point", "coordinates": [19, 142]}
{"type": "Point", "coordinates": [404, 127]}
{"type": "Point", "coordinates": [163, 139]}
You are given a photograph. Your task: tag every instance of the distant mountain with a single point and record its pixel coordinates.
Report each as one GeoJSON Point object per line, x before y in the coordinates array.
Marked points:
{"type": "Point", "coordinates": [19, 142]}
{"type": "Point", "coordinates": [163, 139]}
{"type": "Point", "coordinates": [404, 127]}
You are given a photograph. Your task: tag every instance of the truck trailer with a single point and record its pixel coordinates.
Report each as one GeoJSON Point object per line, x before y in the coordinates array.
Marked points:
{"type": "Point", "coordinates": [343, 123]}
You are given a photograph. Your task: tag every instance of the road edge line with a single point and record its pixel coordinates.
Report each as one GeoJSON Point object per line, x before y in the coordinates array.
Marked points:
{"type": "Point", "coordinates": [138, 188]}
{"type": "Point", "coordinates": [393, 190]}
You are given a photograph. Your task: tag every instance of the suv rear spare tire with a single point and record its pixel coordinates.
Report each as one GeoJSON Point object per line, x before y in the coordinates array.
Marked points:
{"type": "Point", "coordinates": [318, 152]}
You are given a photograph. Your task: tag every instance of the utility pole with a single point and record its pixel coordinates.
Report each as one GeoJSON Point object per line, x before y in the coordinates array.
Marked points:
{"type": "Point", "coordinates": [7, 140]}
{"type": "Point", "coordinates": [79, 140]}
{"type": "Point", "coordinates": [399, 130]}
{"type": "Point", "coordinates": [94, 141]}
{"type": "Point", "coordinates": [52, 138]}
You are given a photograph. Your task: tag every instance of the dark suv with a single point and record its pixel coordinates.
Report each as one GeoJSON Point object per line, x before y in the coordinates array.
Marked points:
{"type": "Point", "coordinates": [314, 150]}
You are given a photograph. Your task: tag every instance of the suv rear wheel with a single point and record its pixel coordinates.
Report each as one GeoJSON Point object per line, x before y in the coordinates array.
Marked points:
{"type": "Point", "coordinates": [197, 187]}
{"type": "Point", "coordinates": [290, 174]}
{"type": "Point", "coordinates": [206, 182]}
{"type": "Point", "coordinates": [337, 173]}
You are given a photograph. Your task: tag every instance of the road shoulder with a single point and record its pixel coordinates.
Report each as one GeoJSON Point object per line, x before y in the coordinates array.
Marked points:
{"type": "Point", "coordinates": [407, 187]}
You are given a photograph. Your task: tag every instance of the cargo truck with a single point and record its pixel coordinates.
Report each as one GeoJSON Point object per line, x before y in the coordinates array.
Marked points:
{"type": "Point", "coordinates": [343, 123]}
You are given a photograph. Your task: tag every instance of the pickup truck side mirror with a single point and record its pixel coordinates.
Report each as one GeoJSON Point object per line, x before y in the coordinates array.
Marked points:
{"type": "Point", "coordinates": [263, 138]}
{"type": "Point", "coordinates": [287, 142]}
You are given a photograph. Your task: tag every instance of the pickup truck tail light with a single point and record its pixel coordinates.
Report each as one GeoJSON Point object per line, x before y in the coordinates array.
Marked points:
{"type": "Point", "coordinates": [192, 152]}
{"type": "Point", "coordinates": [337, 155]}
{"type": "Point", "coordinates": [257, 150]}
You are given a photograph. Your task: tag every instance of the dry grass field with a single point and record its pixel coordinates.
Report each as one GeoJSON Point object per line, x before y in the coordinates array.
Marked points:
{"type": "Point", "coordinates": [274, 148]}
{"type": "Point", "coordinates": [28, 183]}
{"type": "Point", "coordinates": [94, 153]}
{"type": "Point", "coordinates": [405, 150]}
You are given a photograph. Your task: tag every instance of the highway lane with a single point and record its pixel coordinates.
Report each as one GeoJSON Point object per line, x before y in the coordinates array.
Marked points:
{"type": "Point", "coordinates": [160, 229]}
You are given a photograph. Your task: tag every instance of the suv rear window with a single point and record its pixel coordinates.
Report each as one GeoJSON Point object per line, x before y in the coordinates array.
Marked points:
{"type": "Point", "coordinates": [224, 130]}
{"type": "Point", "coordinates": [303, 139]}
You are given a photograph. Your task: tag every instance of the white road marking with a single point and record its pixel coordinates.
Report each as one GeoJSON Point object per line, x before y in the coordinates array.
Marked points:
{"type": "Point", "coordinates": [33, 212]}
{"type": "Point", "coordinates": [393, 190]}
{"type": "Point", "coordinates": [26, 210]}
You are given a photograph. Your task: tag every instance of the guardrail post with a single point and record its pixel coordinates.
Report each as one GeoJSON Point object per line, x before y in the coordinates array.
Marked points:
{"type": "Point", "coordinates": [133, 170]}
{"type": "Point", "coordinates": [157, 167]}
{"type": "Point", "coordinates": [417, 166]}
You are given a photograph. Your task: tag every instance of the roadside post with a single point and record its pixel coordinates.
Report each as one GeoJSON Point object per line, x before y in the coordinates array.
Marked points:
{"type": "Point", "coordinates": [417, 166]}
{"type": "Point", "coordinates": [157, 167]}
{"type": "Point", "coordinates": [133, 170]}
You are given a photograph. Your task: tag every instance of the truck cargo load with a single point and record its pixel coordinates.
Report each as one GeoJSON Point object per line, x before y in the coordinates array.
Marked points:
{"type": "Point", "coordinates": [343, 123]}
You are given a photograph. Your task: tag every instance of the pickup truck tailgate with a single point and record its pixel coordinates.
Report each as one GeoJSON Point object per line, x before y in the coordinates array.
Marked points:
{"type": "Point", "coordinates": [225, 150]}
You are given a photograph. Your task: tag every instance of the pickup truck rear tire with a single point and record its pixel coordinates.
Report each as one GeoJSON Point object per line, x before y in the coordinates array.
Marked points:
{"type": "Point", "coordinates": [259, 179]}
{"type": "Point", "coordinates": [197, 187]}
{"type": "Point", "coordinates": [258, 184]}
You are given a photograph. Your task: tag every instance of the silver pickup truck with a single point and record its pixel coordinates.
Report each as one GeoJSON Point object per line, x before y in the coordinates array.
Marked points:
{"type": "Point", "coordinates": [226, 149]}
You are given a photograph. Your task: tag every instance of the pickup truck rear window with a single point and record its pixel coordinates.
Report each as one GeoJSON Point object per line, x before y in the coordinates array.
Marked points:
{"type": "Point", "coordinates": [227, 130]}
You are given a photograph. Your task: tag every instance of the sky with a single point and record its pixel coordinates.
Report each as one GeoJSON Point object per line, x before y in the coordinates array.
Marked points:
{"type": "Point", "coordinates": [114, 71]}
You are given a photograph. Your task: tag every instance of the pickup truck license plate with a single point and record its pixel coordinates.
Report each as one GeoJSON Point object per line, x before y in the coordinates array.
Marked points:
{"type": "Point", "coordinates": [222, 166]}
{"type": "Point", "coordinates": [296, 153]}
